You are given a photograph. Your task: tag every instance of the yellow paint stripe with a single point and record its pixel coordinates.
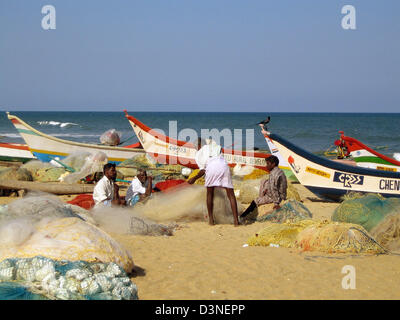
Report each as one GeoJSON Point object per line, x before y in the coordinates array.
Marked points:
{"type": "Point", "coordinates": [318, 172]}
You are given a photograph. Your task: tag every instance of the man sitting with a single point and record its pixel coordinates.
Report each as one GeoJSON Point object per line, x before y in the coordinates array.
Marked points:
{"type": "Point", "coordinates": [272, 190]}
{"type": "Point", "coordinates": [136, 192]}
{"type": "Point", "coordinates": [106, 190]}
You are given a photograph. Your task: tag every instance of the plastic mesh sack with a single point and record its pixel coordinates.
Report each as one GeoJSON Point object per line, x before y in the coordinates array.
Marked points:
{"type": "Point", "coordinates": [284, 234]}
{"type": "Point", "coordinates": [93, 163]}
{"type": "Point", "coordinates": [43, 278]}
{"type": "Point", "coordinates": [336, 237]}
{"type": "Point", "coordinates": [111, 138]}
{"type": "Point", "coordinates": [291, 210]}
{"type": "Point", "coordinates": [366, 210]}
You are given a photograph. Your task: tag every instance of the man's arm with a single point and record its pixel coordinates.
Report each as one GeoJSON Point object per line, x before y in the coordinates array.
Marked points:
{"type": "Point", "coordinates": [198, 175]}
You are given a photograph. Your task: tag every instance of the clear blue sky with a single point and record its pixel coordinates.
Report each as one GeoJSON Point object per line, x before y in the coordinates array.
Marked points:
{"type": "Point", "coordinates": [200, 55]}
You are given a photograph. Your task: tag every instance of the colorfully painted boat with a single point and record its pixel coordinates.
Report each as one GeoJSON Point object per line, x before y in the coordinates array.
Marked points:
{"type": "Point", "coordinates": [166, 150]}
{"type": "Point", "coordinates": [45, 147]}
{"type": "Point", "coordinates": [15, 152]}
{"type": "Point", "coordinates": [330, 179]}
{"type": "Point", "coordinates": [364, 156]}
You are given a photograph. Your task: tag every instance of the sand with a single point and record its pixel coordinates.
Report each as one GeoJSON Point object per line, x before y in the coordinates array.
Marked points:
{"type": "Point", "coordinates": [209, 262]}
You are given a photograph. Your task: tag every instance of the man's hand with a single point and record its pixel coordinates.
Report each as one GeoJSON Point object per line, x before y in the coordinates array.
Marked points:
{"type": "Point", "coordinates": [191, 180]}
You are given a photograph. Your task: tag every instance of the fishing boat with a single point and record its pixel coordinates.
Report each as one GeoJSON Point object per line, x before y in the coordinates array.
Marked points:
{"type": "Point", "coordinates": [15, 152]}
{"type": "Point", "coordinates": [45, 147]}
{"type": "Point", "coordinates": [166, 150]}
{"type": "Point", "coordinates": [331, 179]}
{"type": "Point", "coordinates": [365, 156]}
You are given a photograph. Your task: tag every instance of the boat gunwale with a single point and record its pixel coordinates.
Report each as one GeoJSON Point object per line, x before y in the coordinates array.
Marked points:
{"type": "Point", "coordinates": [86, 145]}
{"type": "Point", "coordinates": [332, 164]}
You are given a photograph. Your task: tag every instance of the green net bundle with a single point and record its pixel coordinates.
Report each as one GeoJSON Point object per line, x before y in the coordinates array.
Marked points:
{"type": "Point", "coordinates": [19, 174]}
{"type": "Point", "coordinates": [291, 210]}
{"type": "Point", "coordinates": [48, 174]}
{"type": "Point", "coordinates": [367, 210]}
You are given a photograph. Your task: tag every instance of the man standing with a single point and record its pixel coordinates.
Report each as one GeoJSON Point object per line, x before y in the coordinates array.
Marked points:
{"type": "Point", "coordinates": [106, 190]}
{"type": "Point", "coordinates": [212, 164]}
{"type": "Point", "coordinates": [272, 190]}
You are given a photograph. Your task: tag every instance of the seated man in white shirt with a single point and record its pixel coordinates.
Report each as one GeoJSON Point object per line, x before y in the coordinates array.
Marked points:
{"type": "Point", "coordinates": [106, 190]}
{"type": "Point", "coordinates": [136, 192]}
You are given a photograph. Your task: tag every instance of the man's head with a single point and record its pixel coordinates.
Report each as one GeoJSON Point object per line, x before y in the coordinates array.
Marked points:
{"type": "Point", "coordinates": [272, 162]}
{"type": "Point", "coordinates": [142, 175]}
{"type": "Point", "coordinates": [109, 171]}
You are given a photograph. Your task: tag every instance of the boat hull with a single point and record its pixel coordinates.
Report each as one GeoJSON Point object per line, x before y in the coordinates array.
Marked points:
{"type": "Point", "coordinates": [330, 179]}
{"type": "Point", "coordinates": [166, 150]}
{"type": "Point", "coordinates": [15, 152]}
{"type": "Point", "coordinates": [45, 147]}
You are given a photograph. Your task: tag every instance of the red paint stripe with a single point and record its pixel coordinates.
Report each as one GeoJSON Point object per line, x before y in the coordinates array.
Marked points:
{"type": "Point", "coordinates": [14, 146]}
{"type": "Point", "coordinates": [354, 145]}
{"type": "Point", "coordinates": [15, 121]}
{"type": "Point", "coordinates": [190, 145]}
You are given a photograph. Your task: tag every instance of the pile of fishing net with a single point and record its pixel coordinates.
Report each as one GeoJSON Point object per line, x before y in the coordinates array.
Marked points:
{"type": "Point", "coordinates": [20, 174]}
{"type": "Point", "coordinates": [34, 165]}
{"type": "Point", "coordinates": [187, 203]}
{"type": "Point", "coordinates": [76, 160]}
{"type": "Point", "coordinates": [290, 210]}
{"type": "Point", "coordinates": [127, 221]}
{"type": "Point", "coordinates": [366, 210]}
{"type": "Point", "coordinates": [387, 232]}
{"type": "Point", "coordinates": [93, 163]}
{"type": "Point", "coordinates": [44, 226]}
{"type": "Point", "coordinates": [256, 174]}
{"type": "Point", "coordinates": [139, 161]}
{"type": "Point", "coordinates": [40, 278]}
{"type": "Point", "coordinates": [309, 235]}
{"type": "Point", "coordinates": [111, 138]}
{"type": "Point", "coordinates": [248, 190]}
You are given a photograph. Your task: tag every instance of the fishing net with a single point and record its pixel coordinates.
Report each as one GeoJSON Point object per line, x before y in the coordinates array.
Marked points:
{"type": "Point", "coordinates": [111, 137]}
{"type": "Point", "coordinates": [126, 221]}
{"type": "Point", "coordinates": [336, 237]}
{"type": "Point", "coordinates": [284, 234]}
{"type": "Point", "coordinates": [365, 210]}
{"type": "Point", "coordinates": [61, 239]}
{"type": "Point", "coordinates": [187, 203]}
{"type": "Point", "coordinates": [48, 174]}
{"type": "Point", "coordinates": [76, 160]}
{"type": "Point", "coordinates": [201, 181]}
{"type": "Point", "coordinates": [40, 278]}
{"type": "Point", "coordinates": [139, 161]}
{"type": "Point", "coordinates": [94, 163]}
{"type": "Point", "coordinates": [19, 174]}
{"type": "Point", "coordinates": [290, 210]}
{"type": "Point", "coordinates": [256, 174]}
{"type": "Point", "coordinates": [246, 190]}
{"type": "Point", "coordinates": [34, 165]}
{"type": "Point", "coordinates": [127, 172]}
{"type": "Point", "coordinates": [387, 232]}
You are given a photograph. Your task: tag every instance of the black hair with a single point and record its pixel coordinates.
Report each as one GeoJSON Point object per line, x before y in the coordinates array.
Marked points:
{"type": "Point", "coordinates": [108, 166]}
{"type": "Point", "coordinates": [273, 159]}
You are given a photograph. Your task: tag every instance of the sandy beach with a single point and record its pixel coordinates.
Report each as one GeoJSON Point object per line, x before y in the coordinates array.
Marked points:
{"type": "Point", "coordinates": [210, 262]}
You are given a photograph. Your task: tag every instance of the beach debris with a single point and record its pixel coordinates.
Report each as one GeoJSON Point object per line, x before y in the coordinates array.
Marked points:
{"type": "Point", "coordinates": [110, 138]}
{"type": "Point", "coordinates": [290, 210]}
{"type": "Point", "coordinates": [274, 245]}
{"type": "Point", "coordinates": [366, 210]}
{"type": "Point", "coordinates": [245, 245]}
{"type": "Point", "coordinates": [43, 278]}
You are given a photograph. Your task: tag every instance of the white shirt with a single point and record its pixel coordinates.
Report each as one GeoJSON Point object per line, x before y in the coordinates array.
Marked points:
{"type": "Point", "coordinates": [206, 153]}
{"type": "Point", "coordinates": [135, 188]}
{"type": "Point", "coordinates": [104, 190]}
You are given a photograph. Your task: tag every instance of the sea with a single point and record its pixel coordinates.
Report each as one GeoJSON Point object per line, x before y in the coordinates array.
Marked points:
{"type": "Point", "coordinates": [315, 132]}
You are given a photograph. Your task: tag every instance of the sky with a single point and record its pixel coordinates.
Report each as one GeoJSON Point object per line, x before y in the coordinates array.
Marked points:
{"type": "Point", "coordinates": [200, 55]}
